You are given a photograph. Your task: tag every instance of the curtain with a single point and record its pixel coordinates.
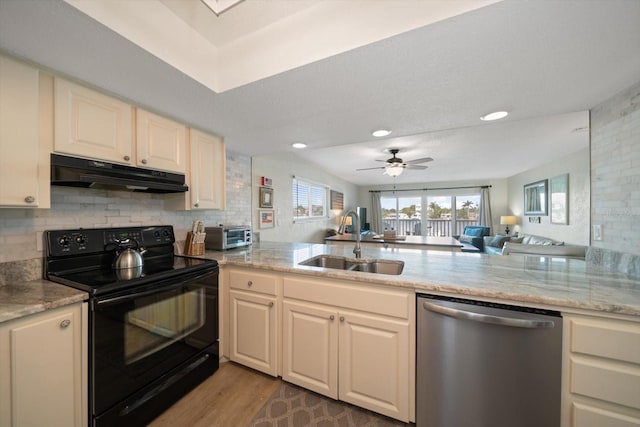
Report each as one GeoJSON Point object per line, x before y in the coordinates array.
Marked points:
{"type": "Point", "coordinates": [377, 224]}
{"type": "Point", "coordinates": [485, 208]}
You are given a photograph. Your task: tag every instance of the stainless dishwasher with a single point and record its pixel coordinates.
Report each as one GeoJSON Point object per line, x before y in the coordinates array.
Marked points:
{"type": "Point", "coordinates": [486, 365]}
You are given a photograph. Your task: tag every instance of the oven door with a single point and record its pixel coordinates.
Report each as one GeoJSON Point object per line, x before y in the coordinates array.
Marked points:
{"type": "Point", "coordinates": [145, 339]}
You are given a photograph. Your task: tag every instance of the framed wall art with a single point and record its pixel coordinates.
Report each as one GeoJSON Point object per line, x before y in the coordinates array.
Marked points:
{"type": "Point", "coordinates": [266, 218]}
{"type": "Point", "coordinates": [535, 198]}
{"type": "Point", "coordinates": [266, 197]}
{"type": "Point", "coordinates": [559, 199]}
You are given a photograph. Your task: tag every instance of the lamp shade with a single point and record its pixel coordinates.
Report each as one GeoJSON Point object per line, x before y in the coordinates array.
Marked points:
{"type": "Point", "coordinates": [393, 170]}
{"type": "Point", "coordinates": [508, 220]}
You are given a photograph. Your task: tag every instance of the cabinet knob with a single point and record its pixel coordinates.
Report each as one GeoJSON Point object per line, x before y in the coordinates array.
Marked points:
{"type": "Point", "coordinates": [127, 158]}
{"type": "Point", "coordinates": [249, 283]}
{"type": "Point", "coordinates": [332, 317]}
{"type": "Point", "coordinates": [143, 161]}
{"type": "Point", "coordinates": [65, 323]}
{"type": "Point", "coordinates": [196, 205]}
{"type": "Point", "coordinates": [271, 304]}
{"type": "Point", "coordinates": [29, 199]}
{"type": "Point", "coordinates": [342, 318]}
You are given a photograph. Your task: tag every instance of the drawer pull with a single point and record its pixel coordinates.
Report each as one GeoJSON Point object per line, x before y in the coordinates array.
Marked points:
{"type": "Point", "coordinates": [342, 318]}
{"type": "Point", "coordinates": [332, 317]}
{"type": "Point", "coordinates": [65, 323]}
{"type": "Point", "coordinates": [271, 304]}
{"type": "Point", "coordinates": [143, 161]}
{"type": "Point", "coordinates": [127, 158]}
{"type": "Point", "coordinates": [249, 283]}
{"type": "Point", "coordinates": [29, 199]}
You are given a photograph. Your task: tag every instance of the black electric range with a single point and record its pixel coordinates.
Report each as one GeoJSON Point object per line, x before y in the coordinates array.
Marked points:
{"type": "Point", "coordinates": [153, 329]}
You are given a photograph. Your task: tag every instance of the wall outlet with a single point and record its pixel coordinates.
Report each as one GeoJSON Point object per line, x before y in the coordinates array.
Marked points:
{"type": "Point", "coordinates": [597, 232]}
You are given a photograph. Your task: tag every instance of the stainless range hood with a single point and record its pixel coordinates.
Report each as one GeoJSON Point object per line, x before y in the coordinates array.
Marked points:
{"type": "Point", "coordinates": [78, 172]}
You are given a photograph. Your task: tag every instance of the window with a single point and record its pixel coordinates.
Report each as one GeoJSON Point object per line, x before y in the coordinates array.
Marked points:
{"type": "Point", "coordinates": [430, 215]}
{"type": "Point", "coordinates": [309, 199]}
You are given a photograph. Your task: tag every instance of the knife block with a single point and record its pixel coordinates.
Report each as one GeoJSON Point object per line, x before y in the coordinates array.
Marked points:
{"type": "Point", "coordinates": [191, 247]}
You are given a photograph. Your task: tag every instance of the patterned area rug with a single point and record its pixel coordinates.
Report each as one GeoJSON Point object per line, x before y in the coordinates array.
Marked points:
{"type": "Point", "coordinates": [292, 406]}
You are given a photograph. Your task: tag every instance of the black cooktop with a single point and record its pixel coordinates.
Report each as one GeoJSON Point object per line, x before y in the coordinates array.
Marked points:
{"type": "Point", "coordinates": [83, 259]}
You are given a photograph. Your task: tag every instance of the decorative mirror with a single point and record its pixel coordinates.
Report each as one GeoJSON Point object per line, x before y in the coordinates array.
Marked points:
{"type": "Point", "coordinates": [535, 198]}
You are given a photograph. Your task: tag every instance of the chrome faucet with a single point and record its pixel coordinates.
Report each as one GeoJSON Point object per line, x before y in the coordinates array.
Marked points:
{"type": "Point", "coordinates": [357, 250]}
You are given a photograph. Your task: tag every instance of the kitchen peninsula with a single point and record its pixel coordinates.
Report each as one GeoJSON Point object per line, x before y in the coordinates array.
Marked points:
{"type": "Point", "coordinates": [408, 242]}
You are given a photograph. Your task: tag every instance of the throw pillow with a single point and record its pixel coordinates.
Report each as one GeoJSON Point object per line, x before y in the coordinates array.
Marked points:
{"type": "Point", "coordinates": [465, 239]}
{"type": "Point", "coordinates": [475, 232]}
{"type": "Point", "coordinates": [516, 239]}
{"type": "Point", "coordinates": [498, 240]}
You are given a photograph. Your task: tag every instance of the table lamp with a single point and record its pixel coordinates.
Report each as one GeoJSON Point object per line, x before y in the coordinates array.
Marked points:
{"type": "Point", "coordinates": [508, 220]}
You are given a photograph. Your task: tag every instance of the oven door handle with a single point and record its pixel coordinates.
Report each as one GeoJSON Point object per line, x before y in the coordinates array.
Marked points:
{"type": "Point", "coordinates": [132, 295]}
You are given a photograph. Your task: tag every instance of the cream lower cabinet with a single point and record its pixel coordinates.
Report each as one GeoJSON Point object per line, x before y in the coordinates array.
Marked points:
{"type": "Point", "coordinates": [350, 342]}
{"type": "Point", "coordinates": [43, 367]}
{"type": "Point", "coordinates": [601, 369]}
{"type": "Point", "coordinates": [253, 321]}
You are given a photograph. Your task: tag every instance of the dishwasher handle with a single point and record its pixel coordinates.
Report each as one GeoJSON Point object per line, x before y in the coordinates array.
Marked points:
{"type": "Point", "coordinates": [488, 318]}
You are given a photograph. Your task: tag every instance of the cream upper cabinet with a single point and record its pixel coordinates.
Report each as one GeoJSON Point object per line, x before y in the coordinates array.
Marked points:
{"type": "Point", "coordinates": [207, 178]}
{"type": "Point", "coordinates": [90, 124]}
{"type": "Point", "coordinates": [160, 142]}
{"type": "Point", "coordinates": [24, 165]}
{"type": "Point", "coordinates": [43, 366]}
{"type": "Point", "coordinates": [601, 368]}
{"type": "Point", "coordinates": [253, 325]}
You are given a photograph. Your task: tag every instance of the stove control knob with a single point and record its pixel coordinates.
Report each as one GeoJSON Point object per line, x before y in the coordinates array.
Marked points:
{"type": "Point", "coordinates": [64, 241]}
{"type": "Point", "coordinates": [156, 234]}
{"type": "Point", "coordinates": [80, 239]}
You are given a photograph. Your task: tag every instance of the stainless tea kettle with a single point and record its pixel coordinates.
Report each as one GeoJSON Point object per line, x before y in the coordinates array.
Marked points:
{"type": "Point", "coordinates": [128, 257]}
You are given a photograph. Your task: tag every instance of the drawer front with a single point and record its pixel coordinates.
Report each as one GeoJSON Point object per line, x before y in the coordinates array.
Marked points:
{"type": "Point", "coordinates": [589, 416]}
{"type": "Point", "coordinates": [250, 281]}
{"type": "Point", "coordinates": [615, 383]}
{"type": "Point", "coordinates": [606, 338]}
{"type": "Point", "coordinates": [379, 300]}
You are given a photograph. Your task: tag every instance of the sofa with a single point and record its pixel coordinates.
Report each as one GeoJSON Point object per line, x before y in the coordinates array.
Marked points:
{"type": "Point", "coordinates": [473, 235]}
{"type": "Point", "coordinates": [529, 244]}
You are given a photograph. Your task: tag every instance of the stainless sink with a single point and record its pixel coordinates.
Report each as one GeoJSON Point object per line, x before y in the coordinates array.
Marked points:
{"type": "Point", "coordinates": [380, 266]}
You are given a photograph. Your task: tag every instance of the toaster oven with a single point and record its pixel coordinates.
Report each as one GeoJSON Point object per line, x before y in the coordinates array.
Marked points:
{"type": "Point", "coordinates": [223, 238]}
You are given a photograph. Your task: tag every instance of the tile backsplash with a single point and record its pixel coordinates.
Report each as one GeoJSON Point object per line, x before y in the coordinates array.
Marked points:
{"type": "Point", "coordinates": [21, 229]}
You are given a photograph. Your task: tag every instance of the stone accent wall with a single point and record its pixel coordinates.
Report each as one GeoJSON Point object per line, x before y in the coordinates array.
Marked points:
{"type": "Point", "coordinates": [615, 172]}
{"type": "Point", "coordinates": [21, 229]}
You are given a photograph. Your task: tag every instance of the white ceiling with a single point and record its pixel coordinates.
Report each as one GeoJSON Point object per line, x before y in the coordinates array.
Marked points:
{"type": "Point", "coordinates": [541, 60]}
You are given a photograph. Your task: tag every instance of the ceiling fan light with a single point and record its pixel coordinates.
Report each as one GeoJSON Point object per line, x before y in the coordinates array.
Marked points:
{"type": "Point", "coordinates": [393, 170]}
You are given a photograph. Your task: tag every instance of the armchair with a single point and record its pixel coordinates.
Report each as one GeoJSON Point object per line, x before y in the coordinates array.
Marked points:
{"type": "Point", "coordinates": [473, 235]}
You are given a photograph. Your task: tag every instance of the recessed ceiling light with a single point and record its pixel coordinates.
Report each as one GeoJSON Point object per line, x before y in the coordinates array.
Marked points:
{"type": "Point", "coordinates": [380, 133]}
{"type": "Point", "coordinates": [496, 115]}
{"type": "Point", "coordinates": [299, 145]}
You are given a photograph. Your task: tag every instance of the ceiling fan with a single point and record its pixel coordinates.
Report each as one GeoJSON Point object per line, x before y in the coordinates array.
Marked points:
{"type": "Point", "coordinates": [395, 166]}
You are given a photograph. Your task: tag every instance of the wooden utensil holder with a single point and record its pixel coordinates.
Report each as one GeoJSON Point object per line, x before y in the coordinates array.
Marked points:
{"type": "Point", "coordinates": [191, 247]}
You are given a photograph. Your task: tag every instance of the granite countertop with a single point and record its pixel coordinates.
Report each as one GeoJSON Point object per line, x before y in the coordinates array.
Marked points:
{"type": "Point", "coordinates": [558, 283]}
{"type": "Point", "coordinates": [22, 299]}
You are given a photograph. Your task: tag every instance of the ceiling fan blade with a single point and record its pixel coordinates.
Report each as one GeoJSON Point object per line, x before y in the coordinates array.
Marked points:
{"type": "Point", "coordinates": [368, 169]}
{"type": "Point", "coordinates": [415, 166]}
{"type": "Point", "coordinates": [422, 160]}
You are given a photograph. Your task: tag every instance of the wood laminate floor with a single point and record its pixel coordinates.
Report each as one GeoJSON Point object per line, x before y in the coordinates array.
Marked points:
{"type": "Point", "coordinates": [229, 398]}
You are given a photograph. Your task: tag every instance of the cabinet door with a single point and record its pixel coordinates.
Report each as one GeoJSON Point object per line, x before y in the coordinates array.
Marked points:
{"type": "Point", "coordinates": [374, 364]}
{"type": "Point", "coordinates": [252, 323]}
{"type": "Point", "coordinates": [208, 173]}
{"type": "Point", "coordinates": [160, 142]}
{"type": "Point", "coordinates": [19, 130]}
{"type": "Point", "coordinates": [47, 370]}
{"type": "Point", "coordinates": [310, 347]}
{"type": "Point", "coordinates": [90, 124]}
